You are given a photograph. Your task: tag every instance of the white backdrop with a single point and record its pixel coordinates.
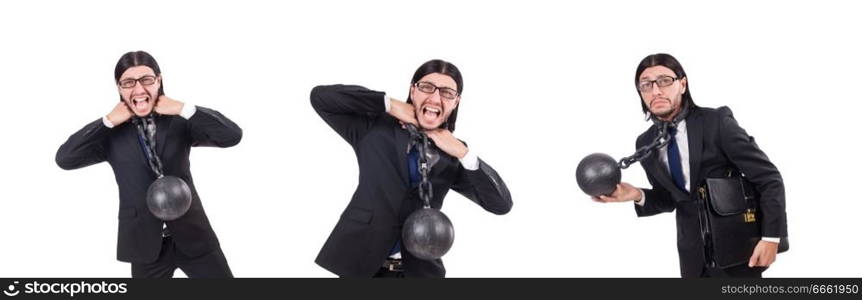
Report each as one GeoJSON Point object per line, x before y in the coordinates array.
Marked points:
{"type": "Point", "coordinates": [546, 82]}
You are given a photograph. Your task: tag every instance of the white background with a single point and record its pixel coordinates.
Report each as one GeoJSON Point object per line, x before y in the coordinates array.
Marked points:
{"type": "Point", "coordinates": [546, 83]}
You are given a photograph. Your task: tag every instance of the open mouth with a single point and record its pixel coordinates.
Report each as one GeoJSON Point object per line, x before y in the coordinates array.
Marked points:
{"type": "Point", "coordinates": [431, 113]}
{"type": "Point", "coordinates": [141, 103]}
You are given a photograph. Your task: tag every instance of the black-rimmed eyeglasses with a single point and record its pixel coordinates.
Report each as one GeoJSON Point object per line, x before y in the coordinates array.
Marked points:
{"type": "Point", "coordinates": [430, 88]}
{"type": "Point", "coordinates": [663, 81]}
{"type": "Point", "coordinates": [145, 81]}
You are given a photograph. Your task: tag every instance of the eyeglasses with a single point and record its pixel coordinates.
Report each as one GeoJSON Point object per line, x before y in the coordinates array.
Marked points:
{"type": "Point", "coordinates": [663, 81]}
{"type": "Point", "coordinates": [145, 81]}
{"type": "Point", "coordinates": [430, 88]}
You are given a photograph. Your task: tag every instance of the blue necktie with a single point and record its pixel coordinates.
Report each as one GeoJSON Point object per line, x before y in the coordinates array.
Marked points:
{"type": "Point", "coordinates": [413, 166]}
{"type": "Point", "coordinates": [413, 170]}
{"type": "Point", "coordinates": [674, 160]}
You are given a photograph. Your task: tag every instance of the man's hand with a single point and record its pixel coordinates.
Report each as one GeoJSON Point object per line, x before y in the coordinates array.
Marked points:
{"type": "Point", "coordinates": [447, 142]}
{"type": "Point", "coordinates": [120, 114]}
{"type": "Point", "coordinates": [168, 106]}
{"type": "Point", "coordinates": [764, 254]}
{"type": "Point", "coordinates": [403, 111]}
{"type": "Point", "coordinates": [623, 192]}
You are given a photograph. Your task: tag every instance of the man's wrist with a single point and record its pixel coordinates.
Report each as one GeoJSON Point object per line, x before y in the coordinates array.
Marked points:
{"type": "Point", "coordinates": [187, 110]}
{"type": "Point", "coordinates": [771, 239]}
{"type": "Point", "coordinates": [107, 122]}
{"type": "Point", "coordinates": [642, 198]}
{"type": "Point", "coordinates": [470, 161]}
{"type": "Point", "coordinates": [386, 102]}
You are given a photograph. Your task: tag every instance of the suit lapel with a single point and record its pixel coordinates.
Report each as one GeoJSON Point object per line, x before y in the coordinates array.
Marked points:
{"type": "Point", "coordinates": [655, 164]}
{"type": "Point", "coordinates": [694, 126]}
{"type": "Point", "coordinates": [133, 140]}
{"type": "Point", "coordinates": [163, 125]}
{"type": "Point", "coordinates": [401, 139]}
{"type": "Point", "coordinates": [660, 169]}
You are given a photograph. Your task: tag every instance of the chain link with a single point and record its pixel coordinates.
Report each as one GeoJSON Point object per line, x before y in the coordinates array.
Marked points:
{"type": "Point", "coordinates": [660, 140]}
{"type": "Point", "coordinates": [420, 140]}
{"type": "Point", "coordinates": [147, 135]}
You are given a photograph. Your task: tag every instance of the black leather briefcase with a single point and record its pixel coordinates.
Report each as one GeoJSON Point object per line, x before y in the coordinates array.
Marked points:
{"type": "Point", "coordinates": [730, 220]}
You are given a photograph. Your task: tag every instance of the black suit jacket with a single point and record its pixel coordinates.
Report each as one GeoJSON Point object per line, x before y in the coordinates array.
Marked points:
{"type": "Point", "coordinates": [139, 237]}
{"type": "Point", "coordinates": [371, 223]}
{"type": "Point", "coordinates": [716, 143]}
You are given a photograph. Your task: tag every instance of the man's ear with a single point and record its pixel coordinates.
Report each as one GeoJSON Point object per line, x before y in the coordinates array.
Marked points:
{"type": "Point", "coordinates": [411, 91]}
{"type": "Point", "coordinates": [457, 102]}
{"type": "Point", "coordinates": [684, 83]}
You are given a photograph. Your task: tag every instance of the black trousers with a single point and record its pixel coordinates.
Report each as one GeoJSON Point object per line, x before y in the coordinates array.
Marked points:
{"type": "Point", "coordinates": [210, 265]}
{"type": "Point", "coordinates": [385, 273]}
{"type": "Point", "coordinates": [391, 268]}
{"type": "Point", "coordinates": [741, 271]}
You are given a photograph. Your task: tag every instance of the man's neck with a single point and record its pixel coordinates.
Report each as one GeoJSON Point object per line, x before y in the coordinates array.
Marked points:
{"type": "Point", "coordinates": [669, 118]}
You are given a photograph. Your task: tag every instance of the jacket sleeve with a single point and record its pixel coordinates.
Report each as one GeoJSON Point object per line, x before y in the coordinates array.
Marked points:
{"type": "Point", "coordinates": [83, 148]}
{"type": "Point", "coordinates": [210, 128]}
{"type": "Point", "coordinates": [744, 153]}
{"type": "Point", "coordinates": [350, 110]}
{"type": "Point", "coordinates": [484, 187]}
{"type": "Point", "coordinates": [657, 200]}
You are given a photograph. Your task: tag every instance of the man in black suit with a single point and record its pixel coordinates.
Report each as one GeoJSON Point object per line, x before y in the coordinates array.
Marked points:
{"type": "Point", "coordinates": [155, 248]}
{"type": "Point", "coordinates": [366, 240]}
{"type": "Point", "coordinates": [704, 143]}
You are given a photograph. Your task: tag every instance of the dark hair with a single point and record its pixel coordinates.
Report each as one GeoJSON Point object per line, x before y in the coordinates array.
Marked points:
{"type": "Point", "coordinates": [668, 61]}
{"type": "Point", "coordinates": [134, 59]}
{"type": "Point", "coordinates": [445, 68]}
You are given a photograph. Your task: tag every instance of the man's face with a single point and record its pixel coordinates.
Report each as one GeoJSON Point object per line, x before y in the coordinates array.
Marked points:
{"type": "Point", "coordinates": [434, 96]}
{"type": "Point", "coordinates": [661, 91]}
{"type": "Point", "coordinates": [139, 87]}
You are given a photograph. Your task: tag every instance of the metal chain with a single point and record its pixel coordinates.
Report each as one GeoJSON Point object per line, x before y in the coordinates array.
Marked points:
{"type": "Point", "coordinates": [660, 140]}
{"type": "Point", "coordinates": [148, 137]}
{"type": "Point", "coordinates": [420, 139]}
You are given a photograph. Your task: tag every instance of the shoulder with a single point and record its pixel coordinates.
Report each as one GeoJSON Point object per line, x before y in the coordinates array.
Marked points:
{"type": "Point", "coordinates": [713, 113]}
{"type": "Point", "coordinates": [646, 136]}
{"type": "Point", "coordinates": [381, 127]}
